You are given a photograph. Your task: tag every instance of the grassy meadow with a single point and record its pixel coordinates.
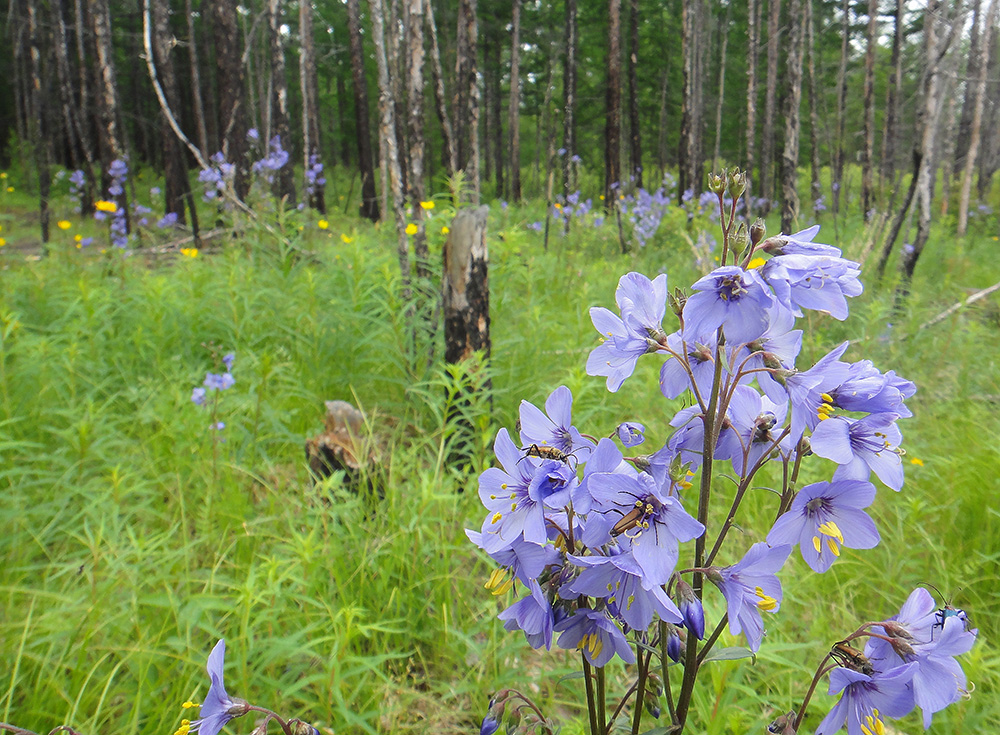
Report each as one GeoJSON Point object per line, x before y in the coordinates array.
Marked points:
{"type": "Point", "coordinates": [133, 535]}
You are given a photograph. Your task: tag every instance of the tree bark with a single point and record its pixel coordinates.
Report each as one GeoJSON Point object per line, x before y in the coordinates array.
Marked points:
{"type": "Point", "coordinates": [753, 33]}
{"type": "Point", "coordinates": [514, 105]}
{"type": "Point", "coordinates": [972, 72]}
{"type": "Point", "coordinates": [390, 152]}
{"type": "Point", "coordinates": [569, 95]}
{"type": "Point", "coordinates": [888, 169]}
{"type": "Point", "coordinates": [312, 150]}
{"type": "Point", "coordinates": [109, 132]}
{"type": "Point", "coordinates": [868, 149]}
{"type": "Point", "coordinates": [724, 30]}
{"type": "Point", "coordinates": [232, 124]}
{"type": "Point", "coordinates": [176, 186]}
{"type": "Point", "coordinates": [793, 100]}
{"type": "Point", "coordinates": [815, 190]}
{"type": "Point", "coordinates": [465, 287]}
{"type": "Point", "coordinates": [976, 128]}
{"type": "Point", "coordinates": [990, 158]}
{"type": "Point", "coordinates": [613, 107]}
{"type": "Point", "coordinates": [369, 197]}
{"type": "Point", "coordinates": [686, 150]}
{"type": "Point", "coordinates": [634, 127]}
{"type": "Point", "coordinates": [466, 107]}
{"type": "Point", "coordinates": [770, 95]}
{"type": "Point", "coordinates": [284, 182]}
{"type": "Point", "coordinates": [414, 14]}
{"type": "Point", "coordinates": [196, 99]}
{"type": "Point", "coordinates": [838, 159]}
{"type": "Point", "coordinates": [450, 155]}
{"type": "Point", "coordinates": [38, 125]}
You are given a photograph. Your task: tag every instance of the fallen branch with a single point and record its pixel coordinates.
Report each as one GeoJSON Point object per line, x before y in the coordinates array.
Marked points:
{"type": "Point", "coordinates": [952, 309]}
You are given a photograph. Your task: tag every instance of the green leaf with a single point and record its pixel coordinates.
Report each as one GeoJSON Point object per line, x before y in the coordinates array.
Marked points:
{"type": "Point", "coordinates": [729, 654]}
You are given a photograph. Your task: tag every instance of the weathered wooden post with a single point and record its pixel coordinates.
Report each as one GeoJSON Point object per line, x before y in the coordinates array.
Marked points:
{"type": "Point", "coordinates": [466, 304]}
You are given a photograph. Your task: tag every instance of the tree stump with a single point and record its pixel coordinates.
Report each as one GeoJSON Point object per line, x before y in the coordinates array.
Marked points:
{"type": "Point", "coordinates": [341, 446]}
{"type": "Point", "coordinates": [466, 288]}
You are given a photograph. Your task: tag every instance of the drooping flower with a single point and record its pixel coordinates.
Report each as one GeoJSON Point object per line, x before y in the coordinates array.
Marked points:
{"type": "Point", "coordinates": [801, 243]}
{"type": "Point", "coordinates": [862, 446]}
{"type": "Point", "coordinates": [753, 428]}
{"type": "Point", "coordinates": [866, 699]}
{"type": "Point", "coordinates": [533, 615]}
{"type": "Point", "coordinates": [825, 516]}
{"type": "Point", "coordinates": [218, 707]}
{"type": "Point", "coordinates": [749, 586]}
{"type": "Point", "coordinates": [523, 560]}
{"type": "Point", "coordinates": [820, 283]}
{"type": "Point", "coordinates": [630, 433]}
{"type": "Point", "coordinates": [214, 381]}
{"type": "Point", "coordinates": [594, 633]}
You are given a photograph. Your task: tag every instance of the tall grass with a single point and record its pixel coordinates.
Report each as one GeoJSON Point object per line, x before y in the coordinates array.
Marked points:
{"type": "Point", "coordinates": [133, 536]}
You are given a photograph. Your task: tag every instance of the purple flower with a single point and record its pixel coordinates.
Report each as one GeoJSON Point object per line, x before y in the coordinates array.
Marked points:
{"type": "Point", "coordinates": [526, 561]}
{"type": "Point", "coordinates": [866, 699]}
{"type": "Point", "coordinates": [642, 304]}
{"type": "Point", "coordinates": [168, 220]}
{"type": "Point", "coordinates": [228, 359]}
{"type": "Point", "coordinates": [821, 283]}
{"type": "Point", "coordinates": [866, 389]}
{"type": "Point", "coordinates": [536, 226]}
{"type": "Point", "coordinates": [630, 433]}
{"type": "Point", "coordinates": [691, 609]}
{"type": "Point", "coordinates": [618, 579]}
{"type": "Point", "coordinates": [218, 426]}
{"type": "Point", "coordinates": [198, 396]}
{"type": "Point", "coordinates": [218, 707]}
{"type": "Point", "coordinates": [674, 378]}
{"type": "Point", "coordinates": [862, 446]}
{"type": "Point", "coordinates": [555, 429]}
{"type": "Point", "coordinates": [755, 424]}
{"type": "Point", "coordinates": [801, 243]}
{"type": "Point", "coordinates": [825, 516]}
{"type": "Point", "coordinates": [806, 389]}
{"type": "Point", "coordinates": [731, 298]}
{"type": "Point", "coordinates": [533, 615]}
{"type": "Point", "coordinates": [214, 381]}
{"type": "Point", "coordinates": [645, 520]}
{"type": "Point", "coordinates": [489, 726]}
{"type": "Point", "coordinates": [594, 633]}
{"type": "Point", "coordinates": [749, 586]}
{"type": "Point", "coordinates": [252, 134]}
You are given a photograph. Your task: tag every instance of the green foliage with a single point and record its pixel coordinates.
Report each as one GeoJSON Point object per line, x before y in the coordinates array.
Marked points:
{"type": "Point", "coordinates": [132, 540]}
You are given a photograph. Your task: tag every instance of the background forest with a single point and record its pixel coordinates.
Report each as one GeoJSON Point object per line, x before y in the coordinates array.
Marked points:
{"type": "Point", "coordinates": [280, 179]}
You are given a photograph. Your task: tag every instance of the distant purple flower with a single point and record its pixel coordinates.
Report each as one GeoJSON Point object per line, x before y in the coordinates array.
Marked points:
{"type": "Point", "coordinates": [228, 359]}
{"type": "Point", "coordinates": [218, 426]}
{"type": "Point", "coordinates": [214, 381]}
{"type": "Point", "coordinates": [825, 516]}
{"type": "Point", "coordinates": [218, 708]}
{"type": "Point", "coordinates": [198, 396]}
{"type": "Point", "coordinates": [169, 220]}
{"type": "Point", "coordinates": [596, 635]}
{"type": "Point", "coordinates": [630, 433]}
{"type": "Point", "coordinates": [749, 586]}
{"type": "Point", "coordinates": [561, 152]}
{"type": "Point", "coordinates": [533, 615]}
{"type": "Point", "coordinates": [252, 134]}
{"type": "Point", "coordinates": [731, 298]}
{"type": "Point", "coordinates": [536, 226]}
{"type": "Point", "coordinates": [86, 242]}
{"type": "Point", "coordinates": [866, 699]}
{"type": "Point", "coordinates": [862, 446]}
{"type": "Point", "coordinates": [154, 191]}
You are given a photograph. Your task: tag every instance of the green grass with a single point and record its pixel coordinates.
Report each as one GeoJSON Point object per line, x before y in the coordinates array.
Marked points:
{"type": "Point", "coordinates": [133, 536]}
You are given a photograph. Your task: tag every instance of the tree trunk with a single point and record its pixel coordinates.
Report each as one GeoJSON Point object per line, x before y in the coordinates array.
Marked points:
{"type": "Point", "coordinates": [793, 100]}
{"type": "Point", "coordinates": [972, 72]}
{"type": "Point", "coordinates": [613, 107]}
{"type": "Point", "coordinates": [815, 190]}
{"type": "Point", "coordinates": [494, 127]}
{"type": "Point", "coordinates": [414, 15]}
{"type": "Point", "coordinates": [369, 197]}
{"type": "Point", "coordinates": [38, 123]}
{"type": "Point", "coordinates": [450, 156]}
{"type": "Point", "coordinates": [465, 287]}
{"type": "Point", "coordinates": [977, 121]}
{"type": "Point", "coordinates": [466, 107]}
{"type": "Point", "coordinates": [686, 149]}
{"type": "Point", "coordinates": [109, 132]}
{"type": "Point", "coordinates": [770, 94]}
{"type": "Point", "coordinates": [724, 30]}
{"type": "Point", "coordinates": [176, 186]}
{"type": "Point", "coordinates": [233, 116]}
{"type": "Point", "coordinates": [753, 32]}
{"type": "Point", "coordinates": [868, 150]}
{"type": "Point", "coordinates": [635, 130]}
{"type": "Point", "coordinates": [990, 158]}
{"type": "Point", "coordinates": [569, 95]}
{"type": "Point", "coordinates": [390, 152]}
{"type": "Point", "coordinates": [888, 170]}
{"type": "Point", "coordinates": [312, 150]}
{"type": "Point", "coordinates": [514, 105]}
{"type": "Point", "coordinates": [196, 99]}
{"type": "Point", "coordinates": [284, 182]}
{"type": "Point", "coordinates": [838, 160]}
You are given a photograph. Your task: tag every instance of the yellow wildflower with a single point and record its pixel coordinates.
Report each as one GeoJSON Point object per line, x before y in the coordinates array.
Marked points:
{"type": "Point", "coordinates": [190, 252]}
{"type": "Point", "coordinates": [755, 263]}
{"type": "Point", "coordinates": [346, 239]}
{"type": "Point", "coordinates": [2, 242]}
{"type": "Point", "coordinates": [411, 229]}
{"type": "Point", "coordinates": [427, 205]}
{"type": "Point", "coordinates": [78, 238]}
{"type": "Point", "coordinates": [445, 230]}
{"type": "Point", "coordinates": [917, 461]}
{"type": "Point", "coordinates": [109, 207]}
{"type": "Point", "coordinates": [10, 189]}
{"type": "Point", "coordinates": [64, 224]}
{"type": "Point", "coordinates": [322, 224]}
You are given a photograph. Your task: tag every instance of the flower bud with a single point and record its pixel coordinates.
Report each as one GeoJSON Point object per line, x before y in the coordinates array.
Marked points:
{"type": "Point", "coordinates": [298, 727]}
{"type": "Point", "coordinates": [740, 239]}
{"type": "Point", "coordinates": [676, 301]}
{"type": "Point", "coordinates": [674, 647]}
{"type": "Point", "coordinates": [757, 231]}
{"type": "Point", "coordinates": [716, 183]}
{"type": "Point", "coordinates": [641, 463]}
{"type": "Point", "coordinates": [783, 725]}
{"type": "Point", "coordinates": [691, 609]}
{"type": "Point", "coordinates": [654, 683]}
{"type": "Point", "coordinates": [652, 704]}
{"type": "Point", "coordinates": [737, 183]}
{"type": "Point", "coordinates": [238, 708]}
{"type": "Point", "coordinates": [895, 630]}
{"type": "Point", "coordinates": [903, 649]}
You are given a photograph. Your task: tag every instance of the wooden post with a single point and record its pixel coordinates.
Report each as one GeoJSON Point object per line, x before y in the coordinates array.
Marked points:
{"type": "Point", "coordinates": [466, 287]}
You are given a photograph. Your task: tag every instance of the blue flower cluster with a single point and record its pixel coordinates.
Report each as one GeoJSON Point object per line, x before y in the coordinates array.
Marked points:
{"type": "Point", "coordinates": [275, 159]}
{"type": "Point", "coordinates": [314, 175]}
{"type": "Point", "coordinates": [217, 177]}
{"type": "Point", "coordinates": [594, 535]}
{"type": "Point", "coordinates": [216, 383]}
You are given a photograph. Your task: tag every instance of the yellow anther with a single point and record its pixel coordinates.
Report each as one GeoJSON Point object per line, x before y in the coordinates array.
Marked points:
{"type": "Point", "coordinates": [766, 602]}
{"type": "Point", "coordinates": [513, 506]}
{"type": "Point", "coordinates": [826, 397]}
{"type": "Point", "coordinates": [497, 577]}
{"type": "Point", "coordinates": [496, 517]}
{"type": "Point", "coordinates": [189, 704]}
{"type": "Point", "coordinates": [831, 529]}
{"type": "Point", "coordinates": [502, 589]}
{"type": "Point", "coordinates": [833, 546]}
{"type": "Point", "coordinates": [817, 544]}
{"type": "Point", "coordinates": [823, 417]}
{"type": "Point", "coordinates": [493, 497]}
{"type": "Point", "coordinates": [825, 408]}
{"type": "Point", "coordinates": [755, 263]}
{"type": "Point", "coordinates": [503, 486]}
{"type": "Point", "coordinates": [628, 604]}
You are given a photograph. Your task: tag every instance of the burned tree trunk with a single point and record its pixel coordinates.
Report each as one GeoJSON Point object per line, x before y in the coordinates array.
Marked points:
{"type": "Point", "coordinates": [465, 287]}
{"type": "Point", "coordinates": [38, 123]}
{"type": "Point", "coordinates": [569, 95]}
{"type": "Point", "coordinates": [311, 149]}
{"type": "Point", "coordinates": [613, 107]}
{"type": "Point", "coordinates": [196, 99]}
{"type": "Point", "coordinates": [837, 175]}
{"type": "Point", "coordinates": [369, 197]}
{"type": "Point", "coordinates": [466, 107]}
{"type": "Point", "coordinates": [768, 133]}
{"type": "Point", "coordinates": [888, 170]}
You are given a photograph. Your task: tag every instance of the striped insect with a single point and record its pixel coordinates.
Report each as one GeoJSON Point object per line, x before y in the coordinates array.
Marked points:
{"type": "Point", "coordinates": [547, 452]}
{"type": "Point", "coordinates": [851, 658]}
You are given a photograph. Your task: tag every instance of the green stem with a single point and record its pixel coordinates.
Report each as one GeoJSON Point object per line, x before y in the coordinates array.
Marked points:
{"type": "Point", "coordinates": [591, 709]}
{"type": "Point", "coordinates": [665, 672]}
{"type": "Point", "coordinates": [601, 699]}
{"type": "Point", "coordinates": [640, 689]}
